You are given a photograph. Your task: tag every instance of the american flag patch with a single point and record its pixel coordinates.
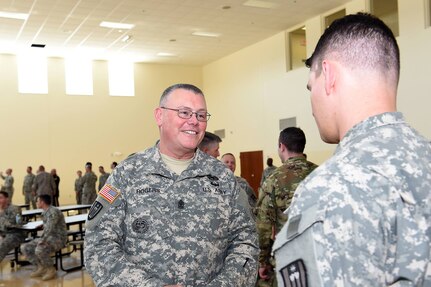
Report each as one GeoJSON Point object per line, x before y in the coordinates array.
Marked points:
{"type": "Point", "coordinates": [109, 193]}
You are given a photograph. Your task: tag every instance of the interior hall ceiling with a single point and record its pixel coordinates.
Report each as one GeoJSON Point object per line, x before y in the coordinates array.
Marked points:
{"type": "Point", "coordinates": [71, 27]}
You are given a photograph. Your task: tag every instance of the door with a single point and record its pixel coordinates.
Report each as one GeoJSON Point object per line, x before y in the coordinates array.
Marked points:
{"type": "Point", "coordinates": [252, 167]}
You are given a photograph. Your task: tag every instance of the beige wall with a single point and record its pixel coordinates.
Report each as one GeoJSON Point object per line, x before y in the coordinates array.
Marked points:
{"type": "Point", "coordinates": [250, 90]}
{"type": "Point", "coordinates": [62, 131]}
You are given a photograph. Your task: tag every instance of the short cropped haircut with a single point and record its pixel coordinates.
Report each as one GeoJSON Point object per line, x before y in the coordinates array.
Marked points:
{"type": "Point", "coordinates": [293, 138]}
{"type": "Point", "coordinates": [172, 88]}
{"type": "Point", "coordinates": [4, 193]}
{"type": "Point", "coordinates": [269, 161]}
{"type": "Point", "coordinates": [45, 198]}
{"type": "Point", "coordinates": [209, 139]}
{"type": "Point", "coordinates": [359, 41]}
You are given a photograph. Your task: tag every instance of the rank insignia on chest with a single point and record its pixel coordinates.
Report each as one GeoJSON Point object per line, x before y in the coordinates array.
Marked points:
{"type": "Point", "coordinates": [109, 193]}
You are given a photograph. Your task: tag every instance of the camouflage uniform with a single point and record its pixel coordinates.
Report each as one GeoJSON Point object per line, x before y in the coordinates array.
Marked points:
{"type": "Point", "coordinates": [8, 185]}
{"type": "Point", "coordinates": [276, 195]}
{"type": "Point", "coordinates": [10, 238]}
{"type": "Point", "coordinates": [44, 184]}
{"type": "Point", "coordinates": [27, 189]}
{"type": "Point", "coordinates": [78, 190]}
{"type": "Point", "coordinates": [363, 217]}
{"type": "Point", "coordinates": [266, 173]}
{"type": "Point", "coordinates": [247, 198]}
{"type": "Point", "coordinates": [152, 227]}
{"type": "Point", "coordinates": [88, 183]}
{"type": "Point", "coordinates": [102, 179]}
{"type": "Point", "coordinates": [54, 237]}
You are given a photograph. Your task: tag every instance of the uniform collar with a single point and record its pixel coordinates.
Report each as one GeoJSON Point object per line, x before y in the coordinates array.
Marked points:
{"type": "Point", "coordinates": [368, 124]}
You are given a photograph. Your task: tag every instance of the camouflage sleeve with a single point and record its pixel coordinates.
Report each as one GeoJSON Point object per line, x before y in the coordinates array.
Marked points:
{"type": "Point", "coordinates": [8, 219]}
{"type": "Point", "coordinates": [265, 222]}
{"type": "Point", "coordinates": [105, 259]}
{"type": "Point", "coordinates": [240, 268]}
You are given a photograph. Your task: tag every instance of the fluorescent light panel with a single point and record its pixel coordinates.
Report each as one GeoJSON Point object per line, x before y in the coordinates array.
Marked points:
{"type": "Point", "coordinates": [260, 4]}
{"type": "Point", "coordinates": [206, 34]}
{"type": "Point", "coordinates": [12, 15]}
{"type": "Point", "coordinates": [115, 25]}
{"type": "Point", "coordinates": [163, 54]}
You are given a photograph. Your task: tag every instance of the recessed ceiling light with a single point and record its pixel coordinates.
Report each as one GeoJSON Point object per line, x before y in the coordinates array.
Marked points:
{"type": "Point", "coordinates": [163, 54]}
{"type": "Point", "coordinates": [12, 15]}
{"type": "Point", "coordinates": [206, 34]}
{"type": "Point", "coordinates": [115, 25]}
{"type": "Point", "coordinates": [260, 4]}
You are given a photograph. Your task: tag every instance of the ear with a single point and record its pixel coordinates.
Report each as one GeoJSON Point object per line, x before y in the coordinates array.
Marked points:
{"type": "Point", "coordinates": [158, 116]}
{"type": "Point", "coordinates": [329, 72]}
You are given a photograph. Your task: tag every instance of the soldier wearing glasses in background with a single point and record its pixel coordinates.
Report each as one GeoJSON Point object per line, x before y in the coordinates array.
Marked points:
{"type": "Point", "coordinates": [168, 215]}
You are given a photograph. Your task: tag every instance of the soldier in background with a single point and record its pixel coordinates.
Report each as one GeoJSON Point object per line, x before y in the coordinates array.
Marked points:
{"type": "Point", "coordinates": [103, 177]}
{"type": "Point", "coordinates": [114, 165]}
{"type": "Point", "coordinates": [210, 144]}
{"type": "Point", "coordinates": [267, 171]}
{"type": "Point", "coordinates": [168, 215]}
{"type": "Point", "coordinates": [276, 195]}
{"type": "Point", "coordinates": [363, 218]}
{"type": "Point", "coordinates": [27, 188]}
{"type": "Point", "coordinates": [246, 198]}
{"type": "Point", "coordinates": [10, 217]}
{"type": "Point", "coordinates": [78, 187]}
{"type": "Point", "coordinates": [88, 183]}
{"type": "Point", "coordinates": [8, 183]}
{"type": "Point", "coordinates": [43, 183]}
{"type": "Point", "coordinates": [57, 187]}
{"type": "Point", "coordinates": [38, 251]}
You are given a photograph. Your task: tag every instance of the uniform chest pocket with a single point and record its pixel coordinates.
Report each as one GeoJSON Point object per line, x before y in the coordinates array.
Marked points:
{"type": "Point", "coordinates": [147, 224]}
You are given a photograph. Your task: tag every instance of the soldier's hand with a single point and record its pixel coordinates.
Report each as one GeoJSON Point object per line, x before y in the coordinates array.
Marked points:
{"type": "Point", "coordinates": [263, 272]}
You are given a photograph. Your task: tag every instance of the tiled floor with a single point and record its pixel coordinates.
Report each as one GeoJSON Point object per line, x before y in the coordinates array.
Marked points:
{"type": "Point", "coordinates": [20, 276]}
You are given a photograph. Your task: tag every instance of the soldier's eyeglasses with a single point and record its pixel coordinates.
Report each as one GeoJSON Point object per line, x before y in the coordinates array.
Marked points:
{"type": "Point", "coordinates": [201, 116]}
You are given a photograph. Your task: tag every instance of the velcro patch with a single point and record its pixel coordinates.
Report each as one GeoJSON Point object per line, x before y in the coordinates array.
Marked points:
{"type": "Point", "coordinates": [294, 274]}
{"type": "Point", "coordinates": [109, 193]}
{"type": "Point", "coordinates": [94, 210]}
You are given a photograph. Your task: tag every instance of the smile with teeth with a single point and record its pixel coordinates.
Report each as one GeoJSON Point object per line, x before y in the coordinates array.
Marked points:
{"type": "Point", "coordinates": [191, 132]}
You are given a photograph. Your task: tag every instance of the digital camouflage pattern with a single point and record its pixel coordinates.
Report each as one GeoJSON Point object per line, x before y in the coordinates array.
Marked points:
{"type": "Point", "coordinates": [248, 202]}
{"type": "Point", "coordinates": [44, 184]}
{"type": "Point", "coordinates": [163, 229]}
{"type": "Point", "coordinates": [363, 217]}
{"type": "Point", "coordinates": [8, 185]}
{"type": "Point", "coordinates": [54, 237]}
{"type": "Point", "coordinates": [88, 183]}
{"type": "Point", "coordinates": [10, 237]}
{"type": "Point", "coordinates": [102, 179]}
{"type": "Point", "coordinates": [27, 189]}
{"type": "Point", "coordinates": [276, 195]}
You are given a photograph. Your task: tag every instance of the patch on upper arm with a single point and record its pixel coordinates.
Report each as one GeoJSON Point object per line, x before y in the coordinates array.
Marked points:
{"type": "Point", "coordinates": [109, 193]}
{"type": "Point", "coordinates": [294, 274]}
{"type": "Point", "coordinates": [108, 198]}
